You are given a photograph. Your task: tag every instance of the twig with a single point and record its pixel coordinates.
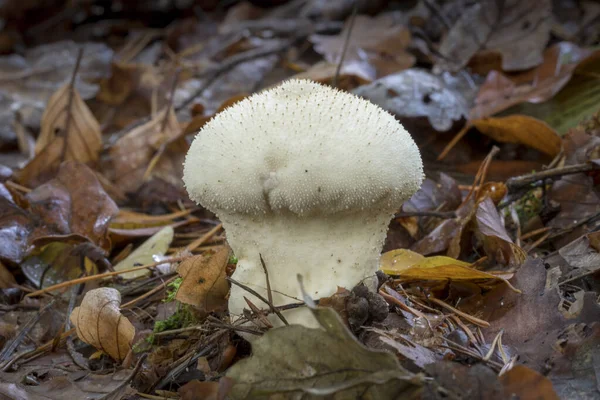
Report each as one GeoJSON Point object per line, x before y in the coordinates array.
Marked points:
{"type": "Point", "coordinates": [334, 83]}
{"type": "Point", "coordinates": [104, 275]}
{"type": "Point", "coordinates": [522, 181]}
{"type": "Point", "coordinates": [470, 318]}
{"type": "Point", "coordinates": [269, 294]}
{"type": "Point", "coordinates": [12, 345]}
{"type": "Point", "coordinates": [149, 293]}
{"type": "Point", "coordinates": [201, 240]}
{"type": "Point", "coordinates": [258, 295]}
{"type": "Point", "coordinates": [132, 375]}
{"type": "Point", "coordinates": [70, 101]}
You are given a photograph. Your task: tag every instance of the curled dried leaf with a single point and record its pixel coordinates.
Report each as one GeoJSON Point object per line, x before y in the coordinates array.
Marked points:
{"type": "Point", "coordinates": [99, 322]}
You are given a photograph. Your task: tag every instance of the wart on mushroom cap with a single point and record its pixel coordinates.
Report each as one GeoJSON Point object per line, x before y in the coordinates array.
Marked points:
{"type": "Point", "coordinates": [309, 177]}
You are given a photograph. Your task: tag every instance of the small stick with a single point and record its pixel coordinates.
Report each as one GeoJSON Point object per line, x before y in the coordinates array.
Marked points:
{"type": "Point", "coordinates": [522, 181]}
{"type": "Point", "coordinates": [466, 316]}
{"type": "Point", "coordinates": [201, 240]}
{"type": "Point", "coordinates": [149, 293]}
{"type": "Point", "coordinates": [334, 83]}
{"type": "Point", "coordinates": [269, 293]}
{"type": "Point", "coordinates": [104, 275]}
{"type": "Point", "coordinates": [255, 293]}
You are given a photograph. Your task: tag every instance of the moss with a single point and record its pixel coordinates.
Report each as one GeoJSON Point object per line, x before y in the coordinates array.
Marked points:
{"type": "Point", "coordinates": [172, 289]}
{"type": "Point", "coordinates": [233, 259]}
{"type": "Point", "coordinates": [529, 205]}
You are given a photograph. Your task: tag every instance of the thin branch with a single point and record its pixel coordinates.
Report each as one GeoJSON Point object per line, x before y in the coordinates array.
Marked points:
{"type": "Point", "coordinates": [269, 293]}
{"type": "Point", "coordinates": [258, 295]}
{"type": "Point", "coordinates": [519, 182]}
{"type": "Point", "coordinates": [334, 83]}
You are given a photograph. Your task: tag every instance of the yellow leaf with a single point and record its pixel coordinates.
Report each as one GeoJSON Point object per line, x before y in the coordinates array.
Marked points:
{"type": "Point", "coordinates": [409, 265]}
{"type": "Point", "coordinates": [99, 322]}
{"type": "Point", "coordinates": [521, 129]}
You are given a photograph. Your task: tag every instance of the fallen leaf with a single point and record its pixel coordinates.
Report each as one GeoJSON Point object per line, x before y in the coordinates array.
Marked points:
{"type": "Point", "coordinates": [378, 41]}
{"type": "Point", "coordinates": [497, 244]}
{"type": "Point", "coordinates": [131, 155]}
{"type": "Point", "coordinates": [518, 30]}
{"type": "Point", "coordinates": [408, 265]}
{"type": "Point", "coordinates": [148, 252]}
{"type": "Point", "coordinates": [417, 93]}
{"type": "Point", "coordinates": [316, 363]}
{"type": "Point", "coordinates": [351, 75]}
{"type": "Point", "coordinates": [582, 257]}
{"type": "Point", "coordinates": [68, 116]}
{"type": "Point", "coordinates": [44, 165]}
{"type": "Point", "coordinates": [416, 353]}
{"type": "Point", "coordinates": [521, 129]}
{"type": "Point", "coordinates": [465, 381]}
{"type": "Point", "coordinates": [526, 384]}
{"type": "Point", "coordinates": [204, 282]}
{"type": "Point", "coordinates": [99, 322]}
{"type": "Point", "coordinates": [74, 203]}
{"type": "Point", "coordinates": [500, 92]}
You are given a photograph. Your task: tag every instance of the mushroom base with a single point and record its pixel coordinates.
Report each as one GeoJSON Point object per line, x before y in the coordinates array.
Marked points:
{"type": "Point", "coordinates": [329, 251]}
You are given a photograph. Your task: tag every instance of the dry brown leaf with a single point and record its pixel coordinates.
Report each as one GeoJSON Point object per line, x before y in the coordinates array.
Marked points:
{"type": "Point", "coordinates": [526, 384]}
{"type": "Point", "coordinates": [44, 165]}
{"type": "Point", "coordinates": [521, 129]}
{"type": "Point", "coordinates": [204, 282]}
{"type": "Point", "coordinates": [121, 83]}
{"type": "Point", "coordinates": [500, 92]}
{"type": "Point", "coordinates": [519, 30]}
{"type": "Point", "coordinates": [68, 116]}
{"type": "Point", "coordinates": [352, 74]}
{"type": "Point", "coordinates": [132, 154]}
{"type": "Point", "coordinates": [99, 322]}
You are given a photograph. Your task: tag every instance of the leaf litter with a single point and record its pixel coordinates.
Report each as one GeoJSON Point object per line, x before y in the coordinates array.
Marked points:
{"type": "Point", "coordinates": [113, 284]}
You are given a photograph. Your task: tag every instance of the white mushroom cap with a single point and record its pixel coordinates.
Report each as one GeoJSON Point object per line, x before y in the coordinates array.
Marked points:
{"type": "Point", "coordinates": [302, 147]}
{"type": "Point", "coordinates": [308, 177]}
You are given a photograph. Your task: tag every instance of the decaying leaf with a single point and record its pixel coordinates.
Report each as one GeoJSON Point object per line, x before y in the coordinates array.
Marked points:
{"type": "Point", "coordinates": [299, 362]}
{"type": "Point", "coordinates": [148, 252]}
{"type": "Point", "coordinates": [518, 30]}
{"type": "Point", "coordinates": [582, 255]}
{"type": "Point", "coordinates": [132, 154]}
{"type": "Point", "coordinates": [68, 116]}
{"type": "Point", "coordinates": [99, 322]}
{"type": "Point", "coordinates": [377, 41]}
{"type": "Point", "coordinates": [417, 93]}
{"type": "Point", "coordinates": [74, 203]}
{"type": "Point", "coordinates": [204, 282]}
{"type": "Point", "coordinates": [496, 242]}
{"type": "Point", "coordinates": [15, 228]}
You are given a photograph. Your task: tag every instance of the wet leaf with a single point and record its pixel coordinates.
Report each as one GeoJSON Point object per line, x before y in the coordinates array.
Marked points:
{"type": "Point", "coordinates": [68, 116]}
{"type": "Point", "coordinates": [15, 227]}
{"type": "Point", "coordinates": [417, 93]}
{"type": "Point", "coordinates": [312, 363]}
{"type": "Point", "coordinates": [517, 30]}
{"type": "Point", "coordinates": [148, 252]}
{"type": "Point", "coordinates": [99, 322]}
{"type": "Point", "coordinates": [204, 282]}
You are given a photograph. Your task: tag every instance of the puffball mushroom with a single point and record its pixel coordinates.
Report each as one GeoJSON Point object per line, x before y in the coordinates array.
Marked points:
{"type": "Point", "coordinates": [309, 177]}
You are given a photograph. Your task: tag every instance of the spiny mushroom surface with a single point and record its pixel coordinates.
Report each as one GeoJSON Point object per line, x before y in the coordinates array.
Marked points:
{"type": "Point", "coordinates": [308, 177]}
